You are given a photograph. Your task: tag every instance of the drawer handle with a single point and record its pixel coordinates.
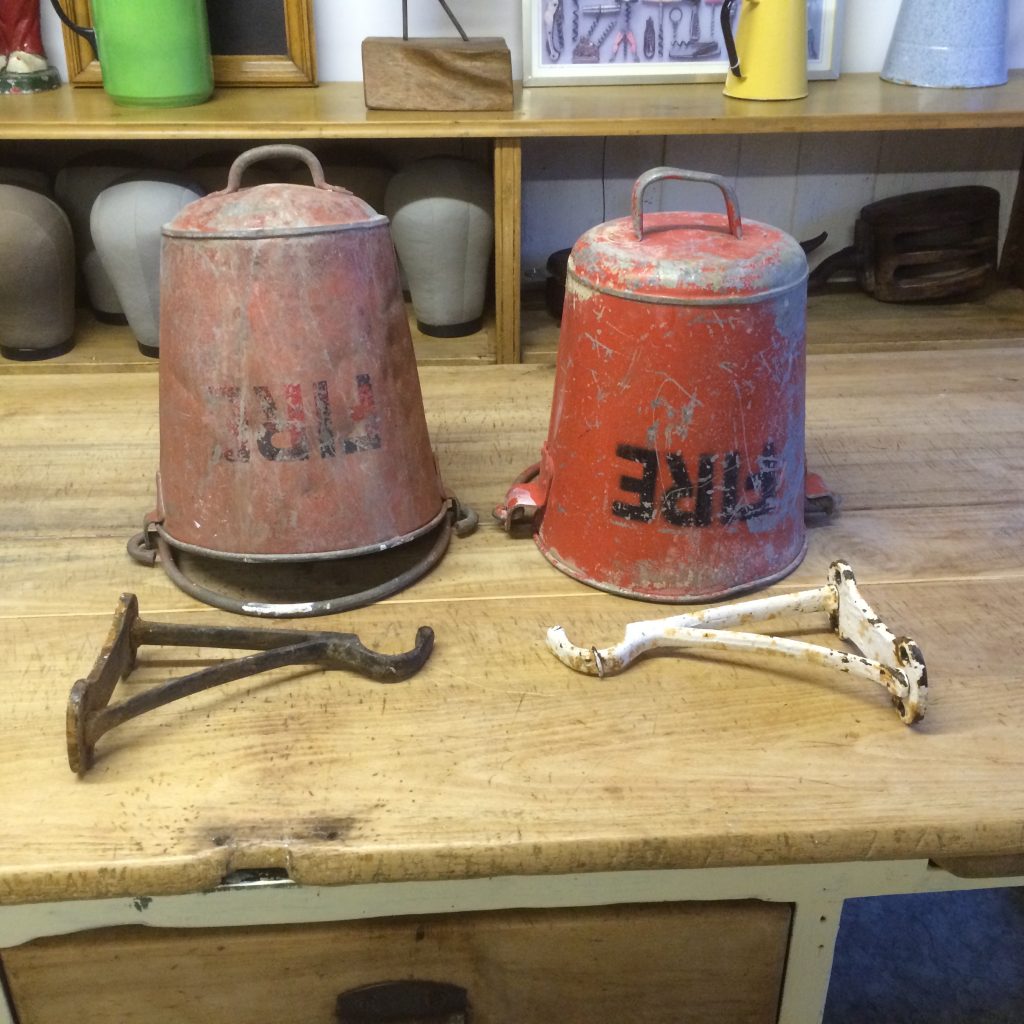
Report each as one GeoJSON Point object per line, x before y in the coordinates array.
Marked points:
{"type": "Point", "coordinates": [404, 1002]}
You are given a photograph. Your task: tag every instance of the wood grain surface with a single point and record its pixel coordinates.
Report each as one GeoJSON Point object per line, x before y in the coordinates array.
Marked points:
{"type": "Point", "coordinates": [436, 74]}
{"type": "Point", "coordinates": [706, 963]}
{"type": "Point", "coordinates": [496, 759]}
{"type": "Point", "coordinates": [852, 103]}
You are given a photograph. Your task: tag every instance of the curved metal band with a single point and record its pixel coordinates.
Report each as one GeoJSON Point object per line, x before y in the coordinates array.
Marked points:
{"type": "Point", "coordinates": [272, 152]}
{"type": "Point", "coordinates": [655, 174]}
{"type": "Point", "coordinates": [330, 606]}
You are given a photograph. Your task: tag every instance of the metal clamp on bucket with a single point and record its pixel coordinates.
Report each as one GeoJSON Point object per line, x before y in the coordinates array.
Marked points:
{"type": "Point", "coordinates": [292, 429]}
{"type": "Point", "coordinates": [674, 465]}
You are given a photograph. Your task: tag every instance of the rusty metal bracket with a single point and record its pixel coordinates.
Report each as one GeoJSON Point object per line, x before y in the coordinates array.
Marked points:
{"type": "Point", "coordinates": [90, 713]}
{"type": "Point", "coordinates": [893, 662]}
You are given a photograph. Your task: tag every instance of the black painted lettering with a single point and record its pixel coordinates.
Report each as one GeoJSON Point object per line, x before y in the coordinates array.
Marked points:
{"type": "Point", "coordinates": [686, 502]}
{"type": "Point", "coordinates": [730, 486]}
{"type": "Point", "coordinates": [764, 483]}
{"type": "Point", "coordinates": [364, 412]}
{"type": "Point", "coordinates": [645, 486]}
{"type": "Point", "coordinates": [681, 488]}
{"type": "Point", "coordinates": [286, 437]}
{"type": "Point", "coordinates": [325, 428]}
{"type": "Point", "coordinates": [291, 426]}
{"type": "Point", "coordinates": [229, 397]}
{"type": "Point", "coordinates": [703, 507]}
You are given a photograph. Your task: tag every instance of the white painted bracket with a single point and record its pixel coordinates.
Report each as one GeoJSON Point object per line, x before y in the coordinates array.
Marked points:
{"type": "Point", "coordinates": [893, 662]}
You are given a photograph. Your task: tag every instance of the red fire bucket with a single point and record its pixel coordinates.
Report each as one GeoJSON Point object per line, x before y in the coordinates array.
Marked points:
{"type": "Point", "coordinates": [292, 426]}
{"type": "Point", "coordinates": [674, 463]}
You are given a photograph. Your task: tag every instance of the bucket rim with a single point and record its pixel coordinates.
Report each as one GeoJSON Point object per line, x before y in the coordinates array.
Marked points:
{"type": "Point", "coordinates": [314, 556]}
{"type": "Point", "coordinates": [290, 232]}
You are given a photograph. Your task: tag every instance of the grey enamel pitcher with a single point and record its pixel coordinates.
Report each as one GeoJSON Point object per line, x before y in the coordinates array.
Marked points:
{"type": "Point", "coordinates": [948, 44]}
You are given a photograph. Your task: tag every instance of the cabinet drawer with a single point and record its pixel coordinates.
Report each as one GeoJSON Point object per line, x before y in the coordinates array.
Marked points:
{"type": "Point", "coordinates": [657, 963]}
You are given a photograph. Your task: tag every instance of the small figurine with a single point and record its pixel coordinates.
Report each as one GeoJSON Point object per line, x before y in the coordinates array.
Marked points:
{"type": "Point", "coordinates": [23, 64]}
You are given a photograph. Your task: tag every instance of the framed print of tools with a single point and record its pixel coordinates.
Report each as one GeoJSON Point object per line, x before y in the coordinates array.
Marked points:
{"type": "Point", "coordinates": [607, 42]}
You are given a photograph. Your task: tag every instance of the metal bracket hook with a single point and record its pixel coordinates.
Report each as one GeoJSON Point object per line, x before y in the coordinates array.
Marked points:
{"type": "Point", "coordinates": [893, 662]}
{"type": "Point", "coordinates": [90, 713]}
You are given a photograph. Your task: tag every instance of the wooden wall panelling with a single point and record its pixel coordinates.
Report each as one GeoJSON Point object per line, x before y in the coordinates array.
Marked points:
{"type": "Point", "coordinates": [803, 184]}
{"type": "Point", "coordinates": [561, 197]}
{"type": "Point", "coordinates": [766, 178]}
{"type": "Point", "coordinates": [716, 154]}
{"type": "Point", "coordinates": [625, 160]}
{"type": "Point", "coordinates": [941, 159]}
{"type": "Point", "coordinates": [1012, 259]}
{"type": "Point", "coordinates": [836, 174]}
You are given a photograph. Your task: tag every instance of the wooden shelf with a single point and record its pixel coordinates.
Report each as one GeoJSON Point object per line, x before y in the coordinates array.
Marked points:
{"type": "Point", "coordinates": [844, 319]}
{"type": "Point", "coordinates": [859, 102]}
{"type": "Point", "coordinates": [856, 102]}
{"type": "Point", "coordinates": [104, 348]}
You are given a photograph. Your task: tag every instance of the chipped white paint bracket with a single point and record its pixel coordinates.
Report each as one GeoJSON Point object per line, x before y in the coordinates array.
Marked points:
{"type": "Point", "coordinates": [894, 662]}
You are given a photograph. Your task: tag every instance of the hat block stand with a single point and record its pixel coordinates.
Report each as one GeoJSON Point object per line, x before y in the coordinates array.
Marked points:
{"type": "Point", "coordinates": [436, 73]}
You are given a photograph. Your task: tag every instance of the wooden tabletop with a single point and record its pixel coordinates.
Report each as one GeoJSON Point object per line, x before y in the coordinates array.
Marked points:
{"type": "Point", "coordinates": [496, 759]}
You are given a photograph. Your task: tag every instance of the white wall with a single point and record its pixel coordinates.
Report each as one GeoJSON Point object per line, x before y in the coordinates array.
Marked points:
{"type": "Point", "coordinates": [801, 184]}
{"type": "Point", "coordinates": [804, 184]}
{"type": "Point", "coordinates": [341, 26]}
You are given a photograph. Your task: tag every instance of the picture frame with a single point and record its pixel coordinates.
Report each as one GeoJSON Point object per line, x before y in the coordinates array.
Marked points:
{"type": "Point", "coordinates": [254, 43]}
{"type": "Point", "coordinates": [586, 42]}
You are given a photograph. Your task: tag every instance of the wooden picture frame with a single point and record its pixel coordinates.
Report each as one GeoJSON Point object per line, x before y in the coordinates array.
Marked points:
{"type": "Point", "coordinates": [291, 60]}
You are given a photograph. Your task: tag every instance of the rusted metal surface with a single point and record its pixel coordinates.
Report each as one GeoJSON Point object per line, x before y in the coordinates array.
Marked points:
{"type": "Point", "coordinates": [674, 464]}
{"type": "Point", "coordinates": [145, 546]}
{"type": "Point", "coordinates": [893, 662]}
{"type": "Point", "coordinates": [90, 714]}
{"type": "Point", "coordinates": [291, 417]}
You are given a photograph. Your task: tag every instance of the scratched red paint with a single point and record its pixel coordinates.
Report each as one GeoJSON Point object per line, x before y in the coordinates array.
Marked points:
{"type": "Point", "coordinates": [291, 418]}
{"type": "Point", "coordinates": [674, 464]}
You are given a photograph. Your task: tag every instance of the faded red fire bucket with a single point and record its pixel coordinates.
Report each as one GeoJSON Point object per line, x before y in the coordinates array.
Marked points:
{"type": "Point", "coordinates": [291, 420]}
{"type": "Point", "coordinates": [674, 463]}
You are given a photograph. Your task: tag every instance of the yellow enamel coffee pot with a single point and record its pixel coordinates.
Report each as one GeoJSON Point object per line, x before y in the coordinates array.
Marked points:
{"type": "Point", "coordinates": [768, 55]}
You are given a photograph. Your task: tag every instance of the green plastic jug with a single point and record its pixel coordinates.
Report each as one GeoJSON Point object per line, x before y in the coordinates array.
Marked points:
{"type": "Point", "coordinates": [152, 54]}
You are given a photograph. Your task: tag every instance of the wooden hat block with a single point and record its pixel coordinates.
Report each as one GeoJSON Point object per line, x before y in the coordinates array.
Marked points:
{"type": "Point", "coordinates": [437, 74]}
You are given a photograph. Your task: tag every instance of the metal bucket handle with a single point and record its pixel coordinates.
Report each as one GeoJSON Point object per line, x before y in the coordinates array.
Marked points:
{"type": "Point", "coordinates": [732, 206]}
{"type": "Point", "coordinates": [275, 152]}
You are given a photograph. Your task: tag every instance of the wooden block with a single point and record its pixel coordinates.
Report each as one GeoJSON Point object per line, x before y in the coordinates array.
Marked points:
{"type": "Point", "coordinates": [437, 74]}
